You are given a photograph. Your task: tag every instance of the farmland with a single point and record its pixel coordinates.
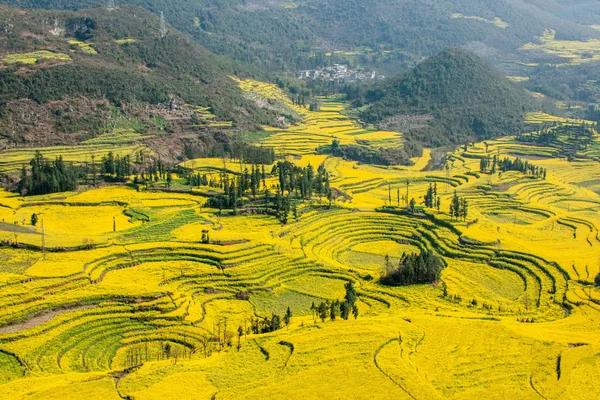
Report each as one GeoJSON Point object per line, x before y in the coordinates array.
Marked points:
{"type": "Point", "coordinates": [571, 51]}
{"type": "Point", "coordinates": [119, 295]}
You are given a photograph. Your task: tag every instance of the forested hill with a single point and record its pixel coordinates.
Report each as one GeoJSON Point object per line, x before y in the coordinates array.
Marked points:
{"type": "Point", "coordinates": [280, 35]}
{"type": "Point", "coordinates": [457, 93]}
{"type": "Point", "coordinates": [93, 60]}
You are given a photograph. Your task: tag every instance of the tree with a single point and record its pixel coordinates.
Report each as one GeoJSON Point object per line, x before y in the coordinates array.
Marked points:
{"type": "Point", "coordinates": [351, 295]}
{"type": "Point", "coordinates": [345, 309]}
{"type": "Point", "coordinates": [430, 197]}
{"type": "Point", "coordinates": [313, 309]}
{"type": "Point", "coordinates": [597, 280]}
{"type": "Point", "coordinates": [288, 317]}
{"type": "Point", "coordinates": [334, 309]}
{"type": "Point", "coordinates": [323, 311]}
{"type": "Point", "coordinates": [355, 311]}
{"type": "Point", "coordinates": [484, 164]}
{"type": "Point", "coordinates": [240, 331]}
{"type": "Point", "coordinates": [205, 236]}
{"type": "Point", "coordinates": [275, 322]}
{"type": "Point", "coordinates": [455, 206]}
{"type": "Point", "coordinates": [335, 147]}
{"type": "Point", "coordinates": [34, 219]}
{"type": "Point", "coordinates": [464, 208]}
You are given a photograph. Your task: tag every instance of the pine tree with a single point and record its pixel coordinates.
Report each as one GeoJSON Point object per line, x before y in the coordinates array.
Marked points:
{"type": "Point", "coordinates": [334, 309]}
{"type": "Point", "coordinates": [355, 311]}
{"type": "Point", "coordinates": [288, 317]}
{"type": "Point", "coordinates": [455, 206]}
{"type": "Point", "coordinates": [323, 311]}
{"type": "Point", "coordinates": [464, 208]}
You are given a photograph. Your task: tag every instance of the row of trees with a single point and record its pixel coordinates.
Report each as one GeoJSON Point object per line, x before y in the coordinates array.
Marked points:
{"type": "Point", "coordinates": [425, 267]}
{"type": "Point", "coordinates": [118, 166]}
{"type": "Point", "coordinates": [459, 207]}
{"type": "Point", "coordinates": [266, 325]}
{"type": "Point", "coordinates": [492, 165]}
{"type": "Point", "coordinates": [582, 133]}
{"type": "Point", "coordinates": [253, 181]}
{"type": "Point", "coordinates": [506, 164]}
{"type": "Point", "coordinates": [45, 176]}
{"type": "Point", "coordinates": [431, 199]}
{"type": "Point", "coordinates": [295, 184]}
{"type": "Point", "coordinates": [252, 154]}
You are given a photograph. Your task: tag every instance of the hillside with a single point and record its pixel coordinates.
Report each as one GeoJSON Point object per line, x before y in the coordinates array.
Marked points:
{"type": "Point", "coordinates": [68, 72]}
{"type": "Point", "coordinates": [153, 294]}
{"type": "Point", "coordinates": [388, 34]}
{"type": "Point", "coordinates": [455, 95]}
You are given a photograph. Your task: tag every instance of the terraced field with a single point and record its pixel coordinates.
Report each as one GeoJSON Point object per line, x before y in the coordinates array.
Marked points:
{"type": "Point", "coordinates": [317, 128]}
{"type": "Point", "coordinates": [572, 51]}
{"type": "Point", "coordinates": [127, 302]}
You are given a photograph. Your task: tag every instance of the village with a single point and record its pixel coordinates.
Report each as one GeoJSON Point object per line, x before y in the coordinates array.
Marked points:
{"type": "Point", "coordinates": [338, 74]}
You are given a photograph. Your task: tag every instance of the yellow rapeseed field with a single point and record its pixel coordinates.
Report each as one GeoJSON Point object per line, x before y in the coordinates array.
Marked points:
{"type": "Point", "coordinates": [124, 307]}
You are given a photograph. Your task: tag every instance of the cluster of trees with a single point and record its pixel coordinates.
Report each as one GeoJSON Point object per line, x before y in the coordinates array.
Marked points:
{"type": "Point", "coordinates": [431, 198]}
{"type": "Point", "coordinates": [137, 355]}
{"type": "Point", "coordinates": [81, 27]}
{"type": "Point", "coordinates": [234, 188]}
{"type": "Point", "coordinates": [252, 180]}
{"type": "Point", "coordinates": [282, 205]}
{"type": "Point", "coordinates": [425, 267]}
{"type": "Point", "coordinates": [224, 145]}
{"type": "Point", "coordinates": [581, 134]}
{"type": "Point", "coordinates": [333, 309]}
{"type": "Point", "coordinates": [303, 181]}
{"type": "Point", "coordinates": [266, 325]}
{"type": "Point", "coordinates": [506, 164]}
{"type": "Point", "coordinates": [198, 180]}
{"type": "Point", "coordinates": [118, 166]}
{"type": "Point", "coordinates": [492, 165]}
{"type": "Point", "coordinates": [459, 207]}
{"type": "Point", "coordinates": [47, 176]}
{"type": "Point", "coordinates": [569, 138]}
{"type": "Point", "coordinates": [231, 196]}
{"type": "Point", "coordinates": [294, 184]}
{"type": "Point", "coordinates": [487, 164]}
{"type": "Point", "coordinates": [368, 155]}
{"type": "Point", "coordinates": [121, 168]}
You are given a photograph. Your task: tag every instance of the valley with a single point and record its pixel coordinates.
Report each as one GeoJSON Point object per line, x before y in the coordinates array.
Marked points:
{"type": "Point", "coordinates": [217, 199]}
{"type": "Point", "coordinates": [147, 297]}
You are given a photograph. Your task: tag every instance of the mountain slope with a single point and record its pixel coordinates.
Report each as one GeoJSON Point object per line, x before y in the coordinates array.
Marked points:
{"type": "Point", "coordinates": [93, 60]}
{"type": "Point", "coordinates": [280, 35]}
{"type": "Point", "coordinates": [465, 97]}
